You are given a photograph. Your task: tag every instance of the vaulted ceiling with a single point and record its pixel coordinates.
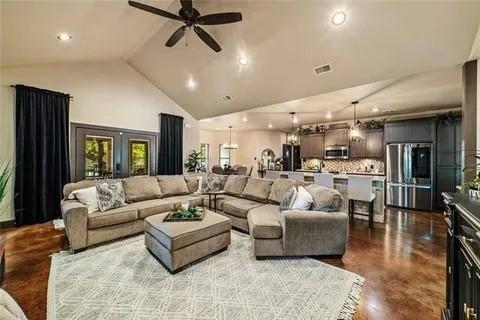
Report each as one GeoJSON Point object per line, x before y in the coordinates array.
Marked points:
{"type": "Point", "coordinates": [380, 42]}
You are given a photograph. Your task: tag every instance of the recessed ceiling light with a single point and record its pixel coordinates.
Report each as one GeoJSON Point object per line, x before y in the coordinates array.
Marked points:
{"type": "Point", "coordinates": [270, 126]}
{"type": "Point", "coordinates": [243, 61]}
{"type": "Point", "coordinates": [191, 84]}
{"type": "Point", "coordinates": [375, 109]}
{"type": "Point", "coordinates": [64, 37]}
{"type": "Point", "coordinates": [245, 119]}
{"type": "Point", "coordinates": [329, 115]}
{"type": "Point", "coordinates": [339, 18]}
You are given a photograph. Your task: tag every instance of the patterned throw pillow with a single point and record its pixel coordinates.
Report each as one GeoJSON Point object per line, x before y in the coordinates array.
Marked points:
{"type": "Point", "coordinates": [110, 196]}
{"type": "Point", "coordinates": [288, 199]}
{"type": "Point", "coordinates": [213, 183]}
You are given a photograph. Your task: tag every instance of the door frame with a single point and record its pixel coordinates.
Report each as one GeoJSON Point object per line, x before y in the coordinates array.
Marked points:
{"type": "Point", "coordinates": [76, 130]}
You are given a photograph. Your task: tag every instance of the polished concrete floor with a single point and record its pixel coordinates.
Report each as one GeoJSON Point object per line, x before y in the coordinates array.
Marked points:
{"type": "Point", "coordinates": [403, 262]}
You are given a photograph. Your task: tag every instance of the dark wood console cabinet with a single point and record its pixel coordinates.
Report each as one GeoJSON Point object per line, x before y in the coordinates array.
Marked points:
{"type": "Point", "coordinates": [462, 215]}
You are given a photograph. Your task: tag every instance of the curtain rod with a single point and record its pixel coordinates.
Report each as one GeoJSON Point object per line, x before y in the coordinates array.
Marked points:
{"type": "Point", "coordinates": [14, 86]}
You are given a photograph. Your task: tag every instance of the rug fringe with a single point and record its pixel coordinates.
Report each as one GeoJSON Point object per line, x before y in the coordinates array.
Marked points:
{"type": "Point", "coordinates": [350, 306]}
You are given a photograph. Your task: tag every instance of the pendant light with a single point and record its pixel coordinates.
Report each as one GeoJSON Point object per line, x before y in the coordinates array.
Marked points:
{"type": "Point", "coordinates": [230, 145]}
{"type": "Point", "coordinates": [292, 137]}
{"type": "Point", "coordinates": [355, 129]}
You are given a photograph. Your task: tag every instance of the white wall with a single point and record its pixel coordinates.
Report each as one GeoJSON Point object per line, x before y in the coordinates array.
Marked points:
{"type": "Point", "coordinates": [105, 93]}
{"type": "Point", "coordinates": [251, 144]}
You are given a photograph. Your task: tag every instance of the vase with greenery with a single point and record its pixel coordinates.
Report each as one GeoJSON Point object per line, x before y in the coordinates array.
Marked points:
{"type": "Point", "coordinates": [194, 163]}
{"type": "Point", "coordinates": [473, 186]}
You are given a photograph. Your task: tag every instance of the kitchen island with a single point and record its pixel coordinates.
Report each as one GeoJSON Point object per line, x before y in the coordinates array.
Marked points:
{"type": "Point", "coordinates": [340, 182]}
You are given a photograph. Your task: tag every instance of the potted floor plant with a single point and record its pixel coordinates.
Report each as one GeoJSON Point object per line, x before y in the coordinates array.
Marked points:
{"type": "Point", "coordinates": [5, 175]}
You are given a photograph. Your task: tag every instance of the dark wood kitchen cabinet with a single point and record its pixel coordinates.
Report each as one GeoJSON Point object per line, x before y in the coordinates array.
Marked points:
{"type": "Point", "coordinates": [337, 137]}
{"type": "Point", "coordinates": [312, 146]}
{"type": "Point", "coordinates": [416, 130]}
{"type": "Point", "coordinates": [369, 146]}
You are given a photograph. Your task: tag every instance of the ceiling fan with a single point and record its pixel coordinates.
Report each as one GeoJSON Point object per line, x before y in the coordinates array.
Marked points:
{"type": "Point", "coordinates": [192, 18]}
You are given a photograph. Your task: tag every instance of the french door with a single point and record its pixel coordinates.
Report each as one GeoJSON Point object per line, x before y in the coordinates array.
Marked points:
{"type": "Point", "coordinates": [105, 153]}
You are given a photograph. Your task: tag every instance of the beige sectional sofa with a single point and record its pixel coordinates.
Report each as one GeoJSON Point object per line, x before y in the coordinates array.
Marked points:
{"type": "Point", "coordinates": [252, 204]}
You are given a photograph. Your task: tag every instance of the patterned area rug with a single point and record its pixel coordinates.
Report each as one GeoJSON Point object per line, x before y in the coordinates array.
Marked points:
{"type": "Point", "coordinates": [121, 280]}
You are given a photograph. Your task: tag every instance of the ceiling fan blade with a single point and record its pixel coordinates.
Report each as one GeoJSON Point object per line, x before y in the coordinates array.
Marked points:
{"type": "Point", "coordinates": [207, 39]}
{"type": "Point", "coordinates": [220, 18]}
{"type": "Point", "coordinates": [177, 35]}
{"type": "Point", "coordinates": [186, 5]}
{"type": "Point", "coordinates": [154, 10]}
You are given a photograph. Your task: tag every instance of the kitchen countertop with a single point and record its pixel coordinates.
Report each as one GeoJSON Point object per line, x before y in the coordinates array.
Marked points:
{"type": "Point", "coordinates": [375, 176]}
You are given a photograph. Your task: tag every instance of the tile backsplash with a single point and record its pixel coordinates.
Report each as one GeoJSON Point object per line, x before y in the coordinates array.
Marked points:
{"type": "Point", "coordinates": [346, 165]}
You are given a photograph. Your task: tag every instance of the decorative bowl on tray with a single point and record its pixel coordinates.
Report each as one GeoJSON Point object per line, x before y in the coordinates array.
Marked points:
{"type": "Point", "coordinates": [184, 212]}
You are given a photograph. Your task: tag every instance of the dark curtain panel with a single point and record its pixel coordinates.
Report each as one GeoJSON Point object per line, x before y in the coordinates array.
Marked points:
{"type": "Point", "coordinates": [170, 158]}
{"type": "Point", "coordinates": [42, 154]}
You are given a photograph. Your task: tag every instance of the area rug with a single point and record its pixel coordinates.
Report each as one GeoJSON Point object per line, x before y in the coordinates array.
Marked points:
{"type": "Point", "coordinates": [121, 280]}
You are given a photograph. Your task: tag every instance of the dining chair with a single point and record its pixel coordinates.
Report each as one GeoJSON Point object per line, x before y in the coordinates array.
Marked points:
{"type": "Point", "coordinates": [272, 174]}
{"type": "Point", "coordinates": [242, 171]}
{"type": "Point", "coordinates": [297, 176]}
{"type": "Point", "coordinates": [323, 179]}
{"type": "Point", "coordinates": [360, 189]}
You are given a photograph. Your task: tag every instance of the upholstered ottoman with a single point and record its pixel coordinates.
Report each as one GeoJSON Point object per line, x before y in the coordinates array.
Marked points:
{"type": "Point", "coordinates": [176, 244]}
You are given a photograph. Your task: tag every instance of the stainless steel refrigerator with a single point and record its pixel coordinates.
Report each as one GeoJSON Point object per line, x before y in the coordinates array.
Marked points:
{"type": "Point", "coordinates": [409, 175]}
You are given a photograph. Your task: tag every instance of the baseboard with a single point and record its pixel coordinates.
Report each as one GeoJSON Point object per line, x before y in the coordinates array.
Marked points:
{"type": "Point", "coordinates": [8, 224]}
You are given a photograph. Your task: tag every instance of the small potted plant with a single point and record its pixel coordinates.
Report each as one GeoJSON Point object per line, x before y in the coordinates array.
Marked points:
{"type": "Point", "coordinates": [193, 163]}
{"type": "Point", "coordinates": [473, 186]}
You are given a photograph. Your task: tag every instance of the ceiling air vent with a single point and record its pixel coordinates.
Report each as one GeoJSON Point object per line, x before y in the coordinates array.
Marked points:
{"type": "Point", "coordinates": [227, 98]}
{"type": "Point", "coordinates": [318, 70]}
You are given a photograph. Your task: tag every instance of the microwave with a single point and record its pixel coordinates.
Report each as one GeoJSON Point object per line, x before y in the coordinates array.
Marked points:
{"type": "Point", "coordinates": [336, 152]}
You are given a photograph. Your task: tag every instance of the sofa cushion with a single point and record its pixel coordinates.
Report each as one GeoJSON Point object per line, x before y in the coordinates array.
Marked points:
{"type": "Point", "coordinates": [193, 180]}
{"type": "Point", "coordinates": [220, 200]}
{"type": "Point", "coordinates": [279, 188]}
{"type": "Point", "coordinates": [325, 199]}
{"type": "Point", "coordinates": [174, 236]}
{"type": "Point", "coordinates": [257, 189]}
{"type": "Point", "coordinates": [173, 185]}
{"type": "Point", "coordinates": [264, 222]}
{"type": "Point", "coordinates": [150, 207]}
{"type": "Point", "coordinates": [70, 187]}
{"type": "Point", "coordinates": [141, 188]}
{"type": "Point", "coordinates": [239, 207]}
{"type": "Point", "coordinates": [235, 185]}
{"type": "Point", "coordinates": [112, 217]}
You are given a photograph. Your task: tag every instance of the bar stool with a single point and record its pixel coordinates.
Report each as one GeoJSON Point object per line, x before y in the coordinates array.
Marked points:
{"type": "Point", "coordinates": [272, 174]}
{"type": "Point", "coordinates": [297, 176]}
{"type": "Point", "coordinates": [323, 179]}
{"type": "Point", "coordinates": [360, 189]}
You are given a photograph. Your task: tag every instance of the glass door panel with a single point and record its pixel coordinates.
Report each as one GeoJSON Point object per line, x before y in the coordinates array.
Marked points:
{"type": "Point", "coordinates": [138, 151]}
{"type": "Point", "coordinates": [98, 157]}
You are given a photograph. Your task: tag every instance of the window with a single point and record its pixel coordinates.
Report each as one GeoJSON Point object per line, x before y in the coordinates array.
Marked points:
{"type": "Point", "coordinates": [138, 157]}
{"type": "Point", "coordinates": [224, 155]}
{"type": "Point", "coordinates": [204, 153]}
{"type": "Point", "coordinates": [98, 157]}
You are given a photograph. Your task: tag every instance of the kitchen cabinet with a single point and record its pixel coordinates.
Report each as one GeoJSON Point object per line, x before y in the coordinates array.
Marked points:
{"type": "Point", "coordinates": [374, 143]}
{"type": "Point", "coordinates": [417, 130]}
{"type": "Point", "coordinates": [369, 146]}
{"type": "Point", "coordinates": [337, 137]}
{"type": "Point", "coordinates": [448, 158]}
{"type": "Point", "coordinates": [312, 146]}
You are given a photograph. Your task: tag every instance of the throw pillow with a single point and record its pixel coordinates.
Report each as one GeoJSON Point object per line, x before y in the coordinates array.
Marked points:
{"type": "Point", "coordinates": [325, 199]}
{"type": "Point", "coordinates": [110, 196]}
{"type": "Point", "coordinates": [213, 182]}
{"type": "Point", "coordinates": [288, 199]}
{"type": "Point", "coordinates": [303, 201]}
{"type": "Point", "coordinates": [87, 197]}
